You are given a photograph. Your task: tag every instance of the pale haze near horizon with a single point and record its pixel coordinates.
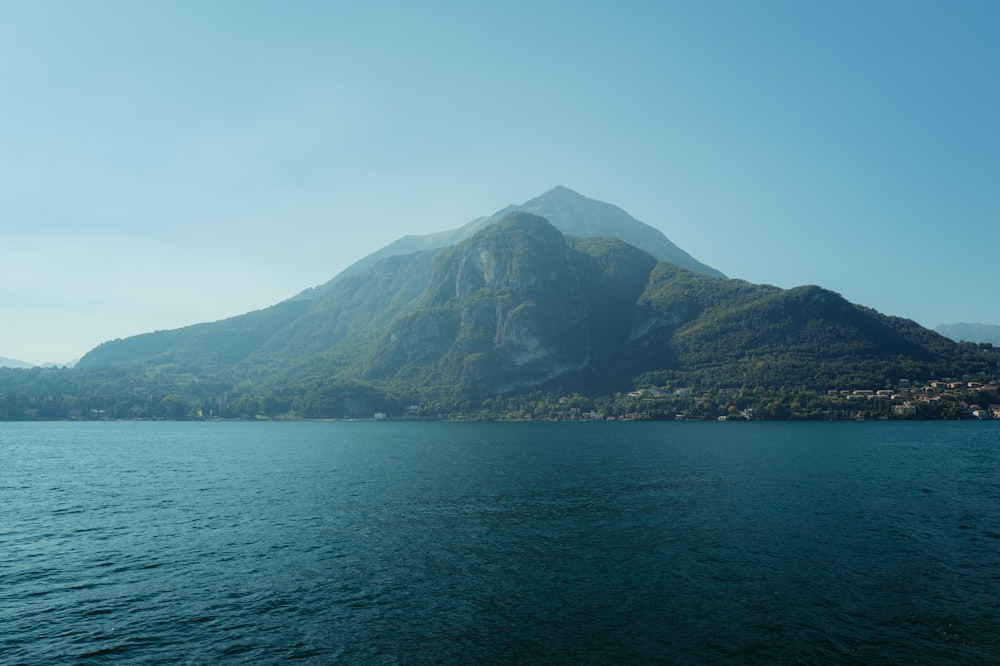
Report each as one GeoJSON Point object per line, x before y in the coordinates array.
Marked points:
{"type": "Point", "coordinates": [168, 163]}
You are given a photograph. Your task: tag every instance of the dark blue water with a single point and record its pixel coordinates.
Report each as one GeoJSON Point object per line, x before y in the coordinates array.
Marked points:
{"type": "Point", "coordinates": [413, 543]}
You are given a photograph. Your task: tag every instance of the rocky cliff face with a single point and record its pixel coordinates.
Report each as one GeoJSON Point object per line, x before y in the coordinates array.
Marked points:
{"type": "Point", "coordinates": [503, 310]}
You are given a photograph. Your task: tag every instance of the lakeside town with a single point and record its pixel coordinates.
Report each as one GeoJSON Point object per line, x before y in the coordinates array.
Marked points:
{"type": "Point", "coordinates": [971, 398]}
{"type": "Point", "coordinates": [946, 398]}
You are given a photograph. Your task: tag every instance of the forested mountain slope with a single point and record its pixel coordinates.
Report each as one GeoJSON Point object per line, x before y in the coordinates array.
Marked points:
{"type": "Point", "coordinates": [516, 308]}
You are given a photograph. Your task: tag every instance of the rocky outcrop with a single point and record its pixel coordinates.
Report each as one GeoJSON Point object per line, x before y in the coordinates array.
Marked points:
{"type": "Point", "coordinates": [503, 310]}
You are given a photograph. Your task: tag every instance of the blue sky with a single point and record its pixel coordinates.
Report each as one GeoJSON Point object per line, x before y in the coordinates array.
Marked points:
{"type": "Point", "coordinates": [167, 163]}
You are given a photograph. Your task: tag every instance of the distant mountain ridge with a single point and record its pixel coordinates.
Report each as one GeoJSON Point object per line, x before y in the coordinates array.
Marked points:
{"type": "Point", "coordinates": [984, 333]}
{"type": "Point", "coordinates": [571, 213]}
{"type": "Point", "coordinates": [14, 363]}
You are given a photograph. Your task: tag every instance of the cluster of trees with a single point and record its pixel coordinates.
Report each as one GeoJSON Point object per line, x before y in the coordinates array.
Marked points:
{"type": "Point", "coordinates": [54, 394]}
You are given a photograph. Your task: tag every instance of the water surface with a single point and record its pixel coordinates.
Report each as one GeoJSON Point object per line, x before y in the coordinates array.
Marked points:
{"type": "Point", "coordinates": [457, 543]}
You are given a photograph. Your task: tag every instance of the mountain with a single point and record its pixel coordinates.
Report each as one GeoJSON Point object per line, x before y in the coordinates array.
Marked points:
{"type": "Point", "coordinates": [520, 307]}
{"type": "Point", "coordinates": [571, 213]}
{"type": "Point", "coordinates": [56, 364]}
{"type": "Point", "coordinates": [984, 333]}
{"type": "Point", "coordinates": [14, 363]}
{"type": "Point", "coordinates": [498, 316]}
{"type": "Point", "coordinates": [310, 324]}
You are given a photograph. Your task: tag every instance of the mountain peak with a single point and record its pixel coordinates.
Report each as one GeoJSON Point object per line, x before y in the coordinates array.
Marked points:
{"type": "Point", "coordinates": [577, 215]}
{"type": "Point", "coordinates": [562, 190]}
{"type": "Point", "coordinates": [568, 211]}
{"type": "Point", "coordinates": [560, 194]}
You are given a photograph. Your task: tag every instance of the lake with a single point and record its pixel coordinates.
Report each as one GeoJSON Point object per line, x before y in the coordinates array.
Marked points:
{"type": "Point", "coordinates": [526, 543]}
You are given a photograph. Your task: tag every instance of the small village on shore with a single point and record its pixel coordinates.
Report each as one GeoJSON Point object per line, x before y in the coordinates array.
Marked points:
{"type": "Point", "coordinates": [968, 398]}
